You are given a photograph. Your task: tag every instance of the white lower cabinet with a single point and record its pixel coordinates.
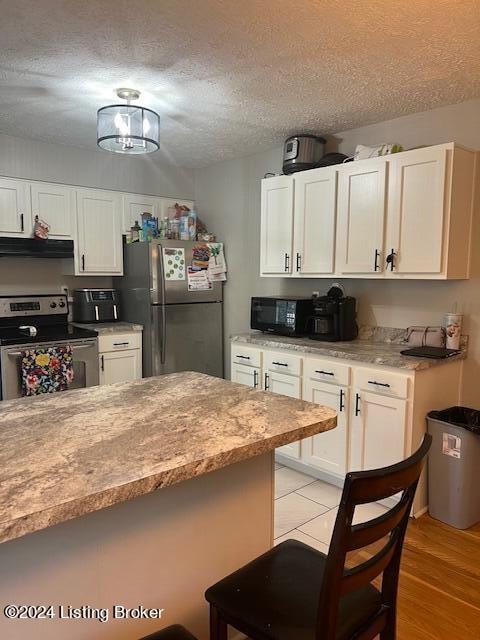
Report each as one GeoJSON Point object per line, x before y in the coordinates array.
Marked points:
{"type": "Point", "coordinates": [244, 374]}
{"type": "Point", "coordinates": [328, 451]}
{"type": "Point", "coordinates": [120, 358]}
{"type": "Point", "coordinates": [378, 430]}
{"type": "Point", "coordinates": [121, 366]}
{"type": "Point", "coordinates": [286, 386]}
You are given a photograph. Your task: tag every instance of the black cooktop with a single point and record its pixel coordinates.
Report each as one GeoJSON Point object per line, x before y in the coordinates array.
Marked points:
{"type": "Point", "coordinates": [49, 333]}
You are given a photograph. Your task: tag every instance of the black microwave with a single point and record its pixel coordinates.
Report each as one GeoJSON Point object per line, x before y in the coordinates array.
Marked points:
{"type": "Point", "coordinates": [286, 316]}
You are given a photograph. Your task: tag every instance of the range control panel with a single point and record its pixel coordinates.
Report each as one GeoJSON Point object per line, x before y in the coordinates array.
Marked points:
{"type": "Point", "coordinates": [39, 305]}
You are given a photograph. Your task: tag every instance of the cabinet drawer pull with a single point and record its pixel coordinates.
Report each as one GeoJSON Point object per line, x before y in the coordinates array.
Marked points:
{"type": "Point", "coordinates": [255, 379]}
{"type": "Point", "coordinates": [120, 344]}
{"type": "Point", "coordinates": [299, 262]}
{"type": "Point", "coordinates": [325, 373]}
{"type": "Point", "coordinates": [281, 364]}
{"type": "Point", "coordinates": [243, 357]}
{"type": "Point", "coordinates": [379, 384]}
{"type": "Point", "coordinates": [266, 382]}
{"type": "Point", "coordinates": [342, 400]}
{"type": "Point", "coordinates": [357, 404]}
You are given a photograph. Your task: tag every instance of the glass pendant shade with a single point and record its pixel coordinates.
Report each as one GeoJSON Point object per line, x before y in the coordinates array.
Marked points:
{"type": "Point", "coordinates": [127, 128]}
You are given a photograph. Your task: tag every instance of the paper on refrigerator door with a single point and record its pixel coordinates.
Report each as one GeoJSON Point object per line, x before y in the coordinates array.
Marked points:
{"type": "Point", "coordinates": [174, 263]}
{"type": "Point", "coordinates": [198, 280]}
{"type": "Point", "coordinates": [217, 267]}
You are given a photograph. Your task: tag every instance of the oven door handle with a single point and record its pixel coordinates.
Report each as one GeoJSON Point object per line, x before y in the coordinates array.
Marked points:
{"type": "Point", "coordinates": [74, 348]}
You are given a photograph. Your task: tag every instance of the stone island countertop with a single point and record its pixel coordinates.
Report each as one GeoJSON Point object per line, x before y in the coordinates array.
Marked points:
{"type": "Point", "coordinates": [367, 351]}
{"type": "Point", "coordinates": [67, 454]}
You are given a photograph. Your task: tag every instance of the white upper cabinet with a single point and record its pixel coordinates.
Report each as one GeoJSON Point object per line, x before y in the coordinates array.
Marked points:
{"type": "Point", "coordinates": [314, 226]}
{"type": "Point", "coordinates": [416, 211]}
{"type": "Point", "coordinates": [133, 207]}
{"type": "Point", "coordinates": [276, 233]}
{"type": "Point", "coordinates": [98, 250]}
{"type": "Point", "coordinates": [362, 189]}
{"type": "Point", "coordinates": [55, 205]}
{"type": "Point", "coordinates": [15, 212]}
{"type": "Point", "coordinates": [430, 206]}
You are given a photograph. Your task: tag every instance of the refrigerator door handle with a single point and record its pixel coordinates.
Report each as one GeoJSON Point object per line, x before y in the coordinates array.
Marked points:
{"type": "Point", "coordinates": [161, 285]}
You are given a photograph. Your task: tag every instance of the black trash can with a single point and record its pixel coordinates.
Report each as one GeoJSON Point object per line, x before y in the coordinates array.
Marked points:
{"type": "Point", "coordinates": [454, 466]}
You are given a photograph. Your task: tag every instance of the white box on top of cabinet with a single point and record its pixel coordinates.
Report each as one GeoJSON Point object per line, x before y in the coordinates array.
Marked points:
{"type": "Point", "coordinates": [381, 410]}
{"type": "Point", "coordinates": [405, 215]}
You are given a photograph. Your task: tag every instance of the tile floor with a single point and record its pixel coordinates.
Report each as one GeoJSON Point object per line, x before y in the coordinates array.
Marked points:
{"type": "Point", "coordinates": [306, 508]}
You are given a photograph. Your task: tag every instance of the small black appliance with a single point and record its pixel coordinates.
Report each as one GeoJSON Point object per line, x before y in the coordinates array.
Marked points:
{"type": "Point", "coordinates": [334, 317]}
{"type": "Point", "coordinates": [286, 316]}
{"type": "Point", "coordinates": [96, 305]}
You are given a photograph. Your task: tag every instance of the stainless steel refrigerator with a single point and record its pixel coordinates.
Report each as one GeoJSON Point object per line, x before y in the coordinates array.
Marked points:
{"type": "Point", "coordinates": [182, 329]}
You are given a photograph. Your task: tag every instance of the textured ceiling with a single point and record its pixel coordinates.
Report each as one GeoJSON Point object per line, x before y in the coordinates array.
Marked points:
{"type": "Point", "coordinates": [232, 77]}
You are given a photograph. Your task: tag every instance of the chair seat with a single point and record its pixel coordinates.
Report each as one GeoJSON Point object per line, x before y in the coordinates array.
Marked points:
{"type": "Point", "coordinates": [276, 596]}
{"type": "Point", "coordinates": [173, 632]}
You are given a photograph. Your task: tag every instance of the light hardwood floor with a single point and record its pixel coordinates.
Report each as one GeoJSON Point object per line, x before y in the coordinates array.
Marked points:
{"type": "Point", "coordinates": [439, 592]}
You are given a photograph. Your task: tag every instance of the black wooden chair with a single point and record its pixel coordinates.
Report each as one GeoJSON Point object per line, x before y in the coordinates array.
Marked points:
{"type": "Point", "coordinates": [294, 592]}
{"type": "Point", "coordinates": [173, 632]}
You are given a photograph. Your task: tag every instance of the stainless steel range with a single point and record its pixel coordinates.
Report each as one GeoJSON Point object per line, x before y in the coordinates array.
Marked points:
{"type": "Point", "coordinates": [40, 321]}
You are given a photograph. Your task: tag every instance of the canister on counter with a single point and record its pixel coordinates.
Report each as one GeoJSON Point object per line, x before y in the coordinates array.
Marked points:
{"type": "Point", "coordinates": [453, 329]}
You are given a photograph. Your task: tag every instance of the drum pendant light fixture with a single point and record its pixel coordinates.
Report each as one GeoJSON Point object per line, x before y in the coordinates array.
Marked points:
{"type": "Point", "coordinates": [128, 128]}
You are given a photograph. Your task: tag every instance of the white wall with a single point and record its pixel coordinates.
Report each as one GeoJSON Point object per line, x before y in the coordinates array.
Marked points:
{"type": "Point", "coordinates": [228, 198]}
{"type": "Point", "coordinates": [35, 160]}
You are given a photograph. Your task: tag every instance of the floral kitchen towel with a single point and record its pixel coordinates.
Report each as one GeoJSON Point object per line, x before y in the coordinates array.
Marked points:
{"type": "Point", "coordinates": [46, 370]}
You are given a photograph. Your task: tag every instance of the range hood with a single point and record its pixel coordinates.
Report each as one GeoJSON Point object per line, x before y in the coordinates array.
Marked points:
{"type": "Point", "coordinates": [34, 248]}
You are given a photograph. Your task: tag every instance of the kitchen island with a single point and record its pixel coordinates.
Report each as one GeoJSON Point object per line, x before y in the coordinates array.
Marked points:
{"type": "Point", "coordinates": [84, 526]}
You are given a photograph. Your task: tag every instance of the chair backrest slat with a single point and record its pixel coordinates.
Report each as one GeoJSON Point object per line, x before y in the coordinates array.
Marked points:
{"type": "Point", "coordinates": [362, 487]}
{"type": "Point", "coordinates": [364, 573]}
{"type": "Point", "coordinates": [369, 532]}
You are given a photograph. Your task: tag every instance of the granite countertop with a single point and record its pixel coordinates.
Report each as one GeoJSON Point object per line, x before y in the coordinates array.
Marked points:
{"type": "Point", "coordinates": [67, 454]}
{"type": "Point", "coordinates": [367, 351]}
{"type": "Point", "coordinates": [103, 328]}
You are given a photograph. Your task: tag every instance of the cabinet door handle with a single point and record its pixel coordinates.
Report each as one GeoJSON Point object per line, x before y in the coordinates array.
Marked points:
{"type": "Point", "coordinates": [357, 404]}
{"type": "Point", "coordinates": [325, 373]}
{"type": "Point", "coordinates": [22, 222]}
{"type": "Point", "coordinates": [287, 262]}
{"type": "Point", "coordinates": [299, 262]}
{"type": "Point", "coordinates": [102, 361]}
{"type": "Point", "coordinates": [243, 357]}
{"type": "Point", "coordinates": [281, 364]}
{"type": "Point", "coordinates": [255, 379]}
{"type": "Point", "coordinates": [266, 382]}
{"type": "Point", "coordinates": [342, 400]}
{"type": "Point", "coordinates": [375, 263]}
{"type": "Point", "coordinates": [83, 262]}
{"type": "Point", "coordinates": [391, 259]}
{"type": "Point", "coordinates": [379, 384]}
